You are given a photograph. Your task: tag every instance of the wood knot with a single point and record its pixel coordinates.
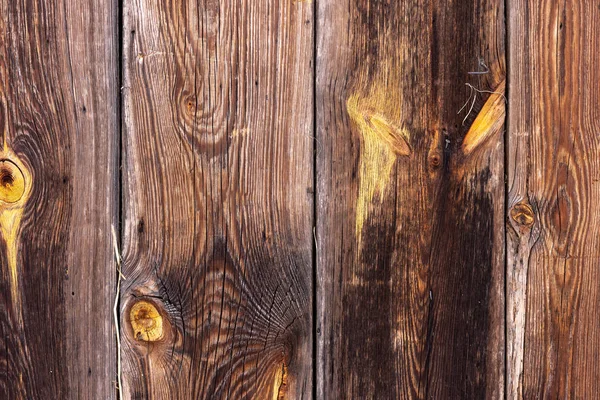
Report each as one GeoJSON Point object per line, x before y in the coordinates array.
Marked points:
{"type": "Point", "coordinates": [15, 189]}
{"type": "Point", "coordinates": [435, 159]}
{"type": "Point", "coordinates": [190, 107]}
{"type": "Point", "coordinates": [523, 215]}
{"type": "Point", "coordinates": [146, 321]}
{"type": "Point", "coordinates": [12, 182]}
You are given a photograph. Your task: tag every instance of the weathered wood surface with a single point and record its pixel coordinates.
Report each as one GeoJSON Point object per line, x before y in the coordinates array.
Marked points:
{"type": "Point", "coordinates": [410, 199]}
{"type": "Point", "coordinates": [218, 199]}
{"type": "Point", "coordinates": [58, 198]}
{"type": "Point", "coordinates": [553, 174]}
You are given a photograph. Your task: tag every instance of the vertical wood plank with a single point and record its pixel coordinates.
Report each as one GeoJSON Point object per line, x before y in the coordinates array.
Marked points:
{"type": "Point", "coordinates": [218, 199]}
{"type": "Point", "coordinates": [553, 176]}
{"type": "Point", "coordinates": [58, 198]}
{"type": "Point", "coordinates": [410, 199]}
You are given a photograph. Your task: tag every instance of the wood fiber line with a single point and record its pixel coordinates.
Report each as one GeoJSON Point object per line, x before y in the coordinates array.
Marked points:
{"type": "Point", "coordinates": [58, 169]}
{"type": "Point", "coordinates": [410, 189]}
{"type": "Point", "coordinates": [553, 174]}
{"type": "Point", "coordinates": [218, 199]}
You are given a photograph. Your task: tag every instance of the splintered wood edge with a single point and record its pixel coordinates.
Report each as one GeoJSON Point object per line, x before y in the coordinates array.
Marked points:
{"type": "Point", "coordinates": [489, 120]}
{"type": "Point", "coordinates": [280, 382]}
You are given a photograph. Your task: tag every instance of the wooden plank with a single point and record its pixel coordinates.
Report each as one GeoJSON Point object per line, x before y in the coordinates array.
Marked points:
{"type": "Point", "coordinates": [410, 199]}
{"type": "Point", "coordinates": [218, 199]}
{"type": "Point", "coordinates": [58, 200]}
{"type": "Point", "coordinates": [553, 238]}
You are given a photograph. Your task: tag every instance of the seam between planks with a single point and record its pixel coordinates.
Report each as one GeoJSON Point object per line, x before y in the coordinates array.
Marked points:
{"type": "Point", "coordinates": [506, 188]}
{"type": "Point", "coordinates": [119, 132]}
{"type": "Point", "coordinates": [314, 206]}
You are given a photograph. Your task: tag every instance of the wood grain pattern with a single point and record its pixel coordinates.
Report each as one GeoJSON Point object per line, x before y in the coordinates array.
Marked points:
{"type": "Point", "coordinates": [553, 238]}
{"type": "Point", "coordinates": [220, 100]}
{"type": "Point", "coordinates": [58, 171]}
{"type": "Point", "coordinates": [410, 222]}
{"type": "Point", "coordinates": [218, 196]}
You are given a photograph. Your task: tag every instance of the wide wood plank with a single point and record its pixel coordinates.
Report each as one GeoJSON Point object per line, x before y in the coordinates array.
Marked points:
{"type": "Point", "coordinates": [410, 199]}
{"type": "Point", "coordinates": [554, 192]}
{"type": "Point", "coordinates": [58, 198]}
{"type": "Point", "coordinates": [218, 197]}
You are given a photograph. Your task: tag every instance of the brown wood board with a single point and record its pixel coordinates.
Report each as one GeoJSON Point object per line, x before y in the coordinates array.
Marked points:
{"type": "Point", "coordinates": [218, 199]}
{"type": "Point", "coordinates": [58, 198]}
{"type": "Point", "coordinates": [314, 200]}
{"type": "Point", "coordinates": [553, 193]}
{"type": "Point", "coordinates": [410, 189]}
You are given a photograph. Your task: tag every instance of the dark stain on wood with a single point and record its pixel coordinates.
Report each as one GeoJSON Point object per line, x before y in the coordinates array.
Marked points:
{"type": "Point", "coordinates": [411, 279]}
{"type": "Point", "coordinates": [460, 292]}
{"type": "Point", "coordinates": [372, 315]}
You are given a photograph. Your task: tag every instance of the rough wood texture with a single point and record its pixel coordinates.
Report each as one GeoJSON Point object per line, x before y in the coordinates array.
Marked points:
{"type": "Point", "coordinates": [410, 199]}
{"type": "Point", "coordinates": [553, 173]}
{"type": "Point", "coordinates": [58, 119]}
{"type": "Point", "coordinates": [217, 199]}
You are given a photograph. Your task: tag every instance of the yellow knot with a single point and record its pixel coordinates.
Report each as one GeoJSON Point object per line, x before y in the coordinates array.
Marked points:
{"type": "Point", "coordinates": [146, 322]}
{"type": "Point", "coordinates": [523, 215]}
{"type": "Point", "coordinates": [15, 189]}
{"type": "Point", "coordinates": [12, 182]}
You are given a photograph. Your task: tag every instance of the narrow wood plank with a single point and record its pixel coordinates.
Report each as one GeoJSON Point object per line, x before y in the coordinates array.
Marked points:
{"type": "Point", "coordinates": [58, 198]}
{"type": "Point", "coordinates": [553, 257]}
{"type": "Point", "coordinates": [410, 199]}
{"type": "Point", "coordinates": [218, 199]}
